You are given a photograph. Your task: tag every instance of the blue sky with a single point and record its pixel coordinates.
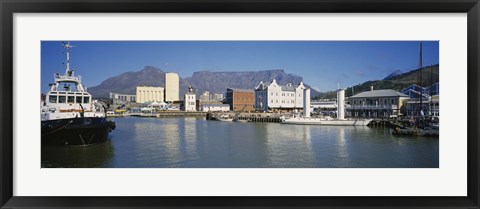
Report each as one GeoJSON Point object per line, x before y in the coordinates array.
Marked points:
{"type": "Point", "coordinates": [322, 64]}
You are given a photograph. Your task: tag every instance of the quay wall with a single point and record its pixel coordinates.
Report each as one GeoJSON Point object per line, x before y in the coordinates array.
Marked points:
{"type": "Point", "coordinates": [181, 114]}
{"type": "Point", "coordinates": [252, 117]}
{"type": "Point", "coordinates": [169, 114]}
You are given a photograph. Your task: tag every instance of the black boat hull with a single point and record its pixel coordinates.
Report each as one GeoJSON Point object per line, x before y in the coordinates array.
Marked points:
{"type": "Point", "coordinates": [76, 131]}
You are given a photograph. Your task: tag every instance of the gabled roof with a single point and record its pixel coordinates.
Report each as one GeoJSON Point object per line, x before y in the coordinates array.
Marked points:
{"type": "Point", "coordinates": [288, 88]}
{"type": "Point", "coordinates": [379, 93]}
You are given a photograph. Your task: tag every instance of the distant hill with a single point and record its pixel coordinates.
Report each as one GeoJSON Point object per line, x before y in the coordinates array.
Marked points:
{"type": "Point", "coordinates": [214, 82]}
{"type": "Point", "coordinates": [395, 73]}
{"type": "Point", "coordinates": [430, 75]}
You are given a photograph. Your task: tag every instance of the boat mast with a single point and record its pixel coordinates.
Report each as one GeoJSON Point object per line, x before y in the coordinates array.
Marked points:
{"type": "Point", "coordinates": [420, 80]}
{"type": "Point", "coordinates": [67, 46]}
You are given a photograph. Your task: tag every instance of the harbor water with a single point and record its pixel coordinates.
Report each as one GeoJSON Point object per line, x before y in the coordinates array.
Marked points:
{"type": "Point", "coordinates": [198, 143]}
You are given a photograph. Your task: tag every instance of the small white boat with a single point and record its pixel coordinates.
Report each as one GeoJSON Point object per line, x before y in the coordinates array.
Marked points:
{"type": "Point", "coordinates": [226, 118]}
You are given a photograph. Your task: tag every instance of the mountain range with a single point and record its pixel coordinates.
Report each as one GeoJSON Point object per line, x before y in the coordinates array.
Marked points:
{"type": "Point", "coordinates": [214, 82]}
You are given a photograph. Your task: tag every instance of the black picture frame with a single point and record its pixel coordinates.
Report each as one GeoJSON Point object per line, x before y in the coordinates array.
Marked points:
{"type": "Point", "coordinates": [10, 7]}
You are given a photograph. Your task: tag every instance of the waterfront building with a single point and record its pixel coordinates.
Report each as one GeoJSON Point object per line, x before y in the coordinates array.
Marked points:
{"type": "Point", "coordinates": [122, 98]}
{"type": "Point", "coordinates": [205, 96]}
{"type": "Point", "coordinates": [383, 103]}
{"type": "Point", "coordinates": [424, 101]}
{"type": "Point", "coordinates": [216, 97]}
{"type": "Point", "coordinates": [172, 83]}
{"type": "Point", "coordinates": [242, 100]}
{"type": "Point", "coordinates": [430, 106]}
{"type": "Point", "coordinates": [215, 108]}
{"type": "Point", "coordinates": [190, 101]}
{"type": "Point", "coordinates": [324, 105]}
{"type": "Point", "coordinates": [271, 97]}
{"type": "Point", "coordinates": [210, 97]}
{"type": "Point", "coordinates": [157, 105]}
{"type": "Point", "coordinates": [149, 94]}
{"type": "Point", "coordinates": [414, 90]}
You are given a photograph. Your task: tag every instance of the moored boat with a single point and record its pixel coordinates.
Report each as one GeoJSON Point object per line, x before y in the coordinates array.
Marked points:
{"type": "Point", "coordinates": [326, 121]}
{"type": "Point", "coordinates": [69, 116]}
{"type": "Point", "coordinates": [225, 118]}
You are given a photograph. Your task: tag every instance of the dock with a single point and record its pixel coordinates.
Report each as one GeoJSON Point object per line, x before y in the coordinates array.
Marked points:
{"type": "Point", "coordinates": [251, 117]}
{"type": "Point", "coordinates": [166, 114]}
{"type": "Point", "coordinates": [415, 132]}
{"type": "Point", "coordinates": [180, 114]}
{"type": "Point", "coordinates": [389, 123]}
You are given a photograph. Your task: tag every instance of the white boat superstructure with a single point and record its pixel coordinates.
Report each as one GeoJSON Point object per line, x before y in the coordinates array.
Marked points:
{"type": "Point", "coordinates": [326, 121]}
{"type": "Point", "coordinates": [68, 98]}
{"type": "Point", "coordinates": [339, 121]}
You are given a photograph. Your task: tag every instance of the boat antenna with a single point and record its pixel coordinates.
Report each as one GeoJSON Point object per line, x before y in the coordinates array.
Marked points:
{"type": "Point", "coordinates": [67, 46]}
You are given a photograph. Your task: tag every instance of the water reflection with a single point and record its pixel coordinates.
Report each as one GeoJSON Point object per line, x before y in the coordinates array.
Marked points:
{"type": "Point", "coordinates": [198, 143]}
{"type": "Point", "coordinates": [289, 146]}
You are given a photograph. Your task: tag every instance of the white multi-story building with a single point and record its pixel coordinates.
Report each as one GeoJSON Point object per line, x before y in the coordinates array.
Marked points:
{"type": "Point", "coordinates": [205, 96]}
{"type": "Point", "coordinates": [121, 98]}
{"type": "Point", "coordinates": [149, 94]}
{"type": "Point", "coordinates": [376, 104]}
{"type": "Point", "coordinates": [190, 101]}
{"type": "Point", "coordinates": [216, 97]}
{"type": "Point", "coordinates": [172, 83]}
{"type": "Point", "coordinates": [279, 97]}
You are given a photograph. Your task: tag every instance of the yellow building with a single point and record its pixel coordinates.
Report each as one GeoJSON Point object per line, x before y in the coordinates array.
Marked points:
{"type": "Point", "coordinates": [149, 94]}
{"type": "Point", "coordinates": [172, 83]}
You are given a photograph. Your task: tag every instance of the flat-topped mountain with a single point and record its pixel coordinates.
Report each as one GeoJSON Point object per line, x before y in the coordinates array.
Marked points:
{"type": "Point", "coordinates": [214, 82]}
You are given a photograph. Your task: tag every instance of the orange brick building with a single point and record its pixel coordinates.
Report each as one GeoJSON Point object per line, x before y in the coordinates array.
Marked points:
{"type": "Point", "coordinates": [240, 100]}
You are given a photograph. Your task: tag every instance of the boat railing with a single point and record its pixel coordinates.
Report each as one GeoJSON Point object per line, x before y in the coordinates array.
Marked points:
{"type": "Point", "coordinates": [69, 78]}
{"type": "Point", "coordinates": [374, 107]}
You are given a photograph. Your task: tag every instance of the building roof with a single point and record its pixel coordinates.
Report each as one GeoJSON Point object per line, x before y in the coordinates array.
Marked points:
{"type": "Point", "coordinates": [240, 90]}
{"type": "Point", "coordinates": [379, 93]}
{"type": "Point", "coordinates": [287, 88]}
